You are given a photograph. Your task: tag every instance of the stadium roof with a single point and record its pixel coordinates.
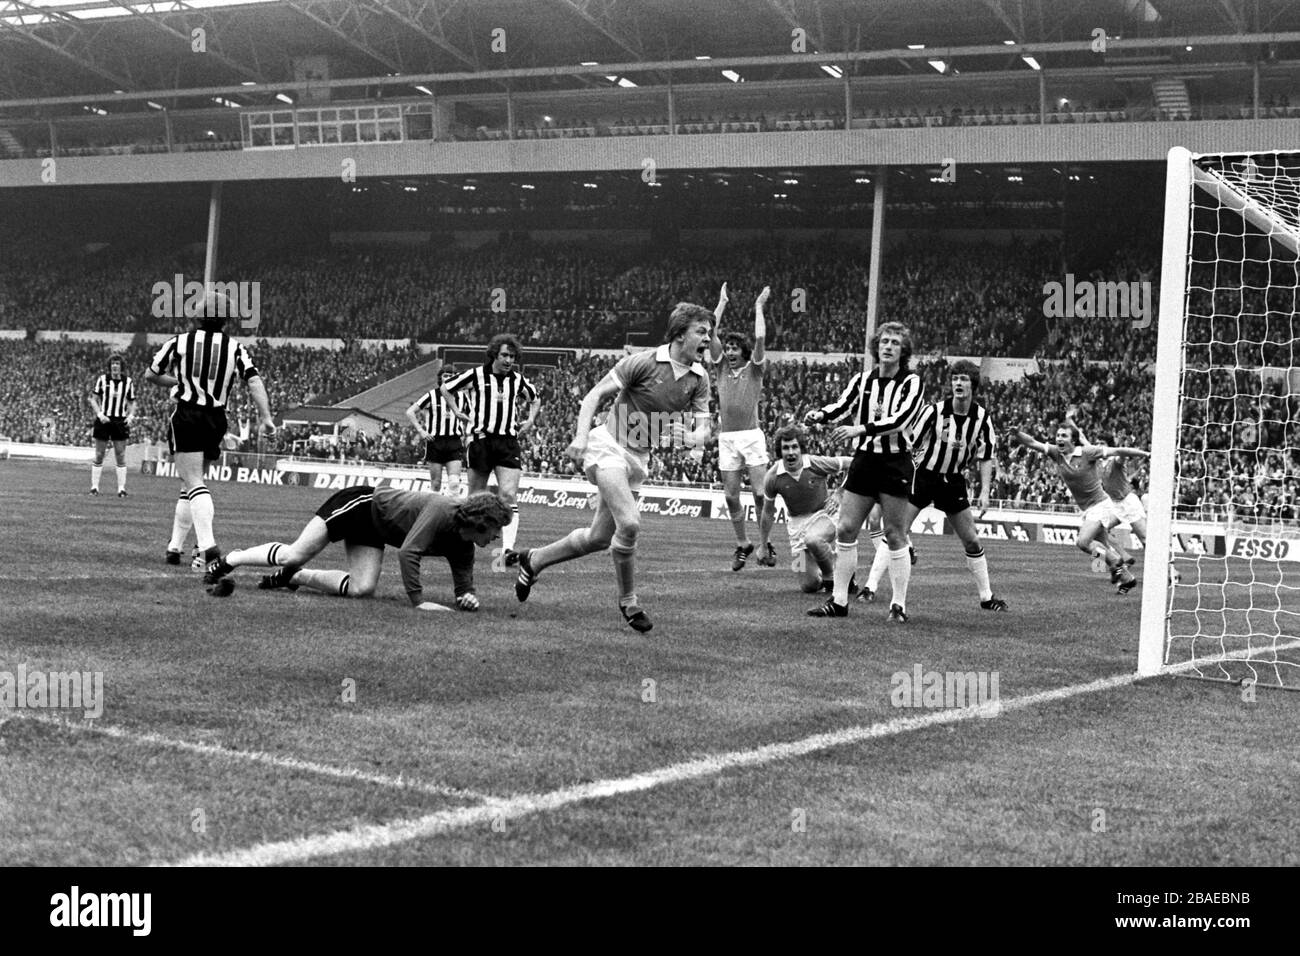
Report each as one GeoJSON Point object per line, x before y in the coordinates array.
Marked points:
{"type": "Point", "coordinates": [52, 48]}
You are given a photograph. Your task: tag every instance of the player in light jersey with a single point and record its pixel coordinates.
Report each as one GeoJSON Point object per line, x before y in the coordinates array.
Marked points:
{"type": "Point", "coordinates": [657, 395]}
{"type": "Point", "coordinates": [1077, 465]}
{"type": "Point", "coordinates": [1116, 483]}
{"type": "Point", "coordinates": [741, 443]}
{"type": "Point", "coordinates": [800, 479]}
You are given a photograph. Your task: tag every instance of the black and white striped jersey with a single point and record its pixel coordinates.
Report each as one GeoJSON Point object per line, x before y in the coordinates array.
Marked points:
{"type": "Point", "coordinates": [114, 395]}
{"type": "Point", "coordinates": [491, 400]}
{"type": "Point", "coordinates": [205, 364]}
{"type": "Point", "coordinates": [437, 416]}
{"type": "Point", "coordinates": [890, 406]}
{"type": "Point", "coordinates": [946, 442]}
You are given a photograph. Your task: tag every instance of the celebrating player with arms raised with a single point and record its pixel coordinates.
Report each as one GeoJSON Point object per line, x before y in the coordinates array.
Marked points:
{"type": "Point", "coordinates": [882, 467]}
{"type": "Point", "coordinates": [800, 479]}
{"type": "Point", "coordinates": [1077, 465]}
{"type": "Point", "coordinates": [950, 435]}
{"type": "Point", "coordinates": [654, 392]}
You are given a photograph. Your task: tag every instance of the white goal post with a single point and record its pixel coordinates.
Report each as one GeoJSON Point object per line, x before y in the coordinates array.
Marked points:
{"type": "Point", "coordinates": [1222, 432]}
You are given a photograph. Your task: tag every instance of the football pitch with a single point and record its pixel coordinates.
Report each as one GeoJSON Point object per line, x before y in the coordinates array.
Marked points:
{"type": "Point", "coordinates": [294, 728]}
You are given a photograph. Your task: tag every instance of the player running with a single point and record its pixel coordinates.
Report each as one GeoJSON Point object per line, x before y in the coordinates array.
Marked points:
{"type": "Point", "coordinates": [200, 367]}
{"type": "Point", "coordinates": [882, 467]}
{"type": "Point", "coordinates": [1076, 463]}
{"type": "Point", "coordinates": [949, 436]}
{"type": "Point", "coordinates": [800, 480]}
{"type": "Point", "coordinates": [366, 520]}
{"type": "Point", "coordinates": [494, 390]}
{"type": "Point", "coordinates": [1116, 483]}
{"type": "Point", "coordinates": [436, 423]}
{"type": "Point", "coordinates": [741, 443]}
{"type": "Point", "coordinates": [113, 400]}
{"type": "Point", "coordinates": [655, 393]}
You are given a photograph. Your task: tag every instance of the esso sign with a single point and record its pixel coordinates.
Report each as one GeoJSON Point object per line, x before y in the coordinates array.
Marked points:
{"type": "Point", "coordinates": [1267, 548]}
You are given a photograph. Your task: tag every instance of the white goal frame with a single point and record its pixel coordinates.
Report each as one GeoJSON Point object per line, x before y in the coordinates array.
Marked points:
{"type": "Point", "coordinates": [1182, 176]}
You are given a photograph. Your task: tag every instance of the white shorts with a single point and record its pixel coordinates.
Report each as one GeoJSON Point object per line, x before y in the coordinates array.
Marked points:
{"type": "Point", "coordinates": [737, 448]}
{"type": "Point", "coordinates": [1130, 509]}
{"type": "Point", "coordinates": [1103, 511]}
{"type": "Point", "coordinates": [604, 452]}
{"type": "Point", "coordinates": [800, 526]}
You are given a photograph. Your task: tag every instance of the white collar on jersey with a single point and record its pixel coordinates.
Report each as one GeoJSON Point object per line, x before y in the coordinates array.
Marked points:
{"type": "Point", "coordinates": [661, 355]}
{"type": "Point", "coordinates": [782, 470]}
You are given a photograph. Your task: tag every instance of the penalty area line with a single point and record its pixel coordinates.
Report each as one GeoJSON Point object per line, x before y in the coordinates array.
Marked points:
{"type": "Point", "coordinates": [254, 756]}
{"type": "Point", "coordinates": [378, 836]}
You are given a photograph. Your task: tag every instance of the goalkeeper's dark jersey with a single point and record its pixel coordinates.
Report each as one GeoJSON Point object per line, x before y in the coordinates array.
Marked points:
{"type": "Point", "coordinates": [419, 523]}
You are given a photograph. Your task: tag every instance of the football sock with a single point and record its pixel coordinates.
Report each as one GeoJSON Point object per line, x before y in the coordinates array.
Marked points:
{"type": "Point", "coordinates": [738, 523]}
{"type": "Point", "coordinates": [846, 565]}
{"type": "Point", "coordinates": [624, 555]}
{"type": "Point", "coordinates": [511, 531]}
{"type": "Point", "coordinates": [879, 562]}
{"type": "Point", "coordinates": [181, 523]}
{"type": "Point", "coordinates": [573, 545]}
{"type": "Point", "coordinates": [201, 508]}
{"type": "Point", "coordinates": [329, 582]}
{"type": "Point", "coordinates": [979, 566]}
{"type": "Point", "coordinates": [273, 554]}
{"type": "Point", "coordinates": [95, 472]}
{"type": "Point", "coordinates": [900, 573]}
{"type": "Point", "coordinates": [121, 478]}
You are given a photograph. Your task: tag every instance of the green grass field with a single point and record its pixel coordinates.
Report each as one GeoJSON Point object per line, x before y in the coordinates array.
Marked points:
{"type": "Point", "coordinates": [523, 734]}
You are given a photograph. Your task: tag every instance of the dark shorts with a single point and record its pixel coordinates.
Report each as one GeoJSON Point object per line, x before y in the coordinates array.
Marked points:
{"type": "Point", "coordinates": [197, 429]}
{"type": "Point", "coordinates": [112, 430]}
{"type": "Point", "coordinates": [874, 475]}
{"type": "Point", "coordinates": [443, 449]}
{"type": "Point", "coordinates": [494, 451]}
{"type": "Point", "coordinates": [945, 492]}
{"type": "Point", "coordinates": [349, 517]}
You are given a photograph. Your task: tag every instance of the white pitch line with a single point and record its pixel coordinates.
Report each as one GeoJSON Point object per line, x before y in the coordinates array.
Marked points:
{"type": "Point", "coordinates": [256, 756]}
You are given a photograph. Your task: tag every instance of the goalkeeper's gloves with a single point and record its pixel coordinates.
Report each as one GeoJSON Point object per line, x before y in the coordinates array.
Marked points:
{"type": "Point", "coordinates": [467, 602]}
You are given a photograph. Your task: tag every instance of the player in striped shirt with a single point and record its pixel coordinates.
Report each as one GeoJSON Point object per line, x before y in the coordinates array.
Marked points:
{"type": "Point", "coordinates": [658, 396]}
{"type": "Point", "coordinates": [741, 443]}
{"type": "Point", "coordinates": [113, 399]}
{"type": "Point", "coordinates": [491, 414]}
{"type": "Point", "coordinates": [366, 520]}
{"type": "Point", "coordinates": [949, 436]}
{"type": "Point", "coordinates": [199, 367]}
{"type": "Point", "coordinates": [1076, 463]}
{"type": "Point", "coordinates": [800, 480]}
{"type": "Point", "coordinates": [437, 424]}
{"type": "Point", "coordinates": [882, 467]}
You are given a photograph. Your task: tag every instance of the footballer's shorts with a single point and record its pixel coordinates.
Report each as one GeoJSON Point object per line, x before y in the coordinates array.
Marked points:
{"type": "Point", "coordinates": [194, 428]}
{"type": "Point", "coordinates": [1130, 509]}
{"type": "Point", "coordinates": [872, 475]}
{"type": "Point", "coordinates": [800, 527]}
{"type": "Point", "coordinates": [349, 517]}
{"type": "Point", "coordinates": [603, 451]}
{"type": "Point", "coordinates": [945, 492]}
{"type": "Point", "coordinates": [748, 448]}
{"type": "Point", "coordinates": [114, 429]}
{"type": "Point", "coordinates": [443, 448]}
{"type": "Point", "coordinates": [1103, 511]}
{"type": "Point", "coordinates": [494, 451]}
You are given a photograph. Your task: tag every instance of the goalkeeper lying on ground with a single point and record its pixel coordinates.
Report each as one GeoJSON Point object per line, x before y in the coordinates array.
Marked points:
{"type": "Point", "coordinates": [366, 519]}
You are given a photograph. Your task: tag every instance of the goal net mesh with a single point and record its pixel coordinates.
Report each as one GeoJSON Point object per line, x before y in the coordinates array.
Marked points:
{"type": "Point", "coordinates": [1235, 583]}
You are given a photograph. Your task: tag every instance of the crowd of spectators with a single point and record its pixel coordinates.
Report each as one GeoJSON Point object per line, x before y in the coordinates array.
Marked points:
{"type": "Point", "coordinates": [1239, 457]}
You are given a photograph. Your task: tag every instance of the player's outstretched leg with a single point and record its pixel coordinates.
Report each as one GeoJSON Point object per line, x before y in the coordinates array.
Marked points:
{"type": "Point", "coordinates": [577, 543]}
{"type": "Point", "coordinates": [287, 557]}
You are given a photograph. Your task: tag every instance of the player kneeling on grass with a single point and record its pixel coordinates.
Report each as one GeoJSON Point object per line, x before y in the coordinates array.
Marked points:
{"type": "Point", "coordinates": [367, 520]}
{"type": "Point", "coordinates": [800, 479]}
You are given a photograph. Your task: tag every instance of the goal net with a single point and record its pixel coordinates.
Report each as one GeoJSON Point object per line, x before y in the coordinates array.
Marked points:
{"type": "Point", "coordinates": [1225, 459]}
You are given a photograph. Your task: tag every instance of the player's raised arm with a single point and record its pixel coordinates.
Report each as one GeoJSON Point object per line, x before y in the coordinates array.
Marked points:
{"type": "Point", "coordinates": [1030, 442]}
{"type": "Point", "coordinates": [607, 387]}
{"type": "Point", "coordinates": [838, 408]}
{"type": "Point", "coordinates": [715, 343]}
{"type": "Point", "coordinates": [760, 326]}
{"type": "Point", "coordinates": [1126, 452]}
{"type": "Point", "coordinates": [1069, 420]}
